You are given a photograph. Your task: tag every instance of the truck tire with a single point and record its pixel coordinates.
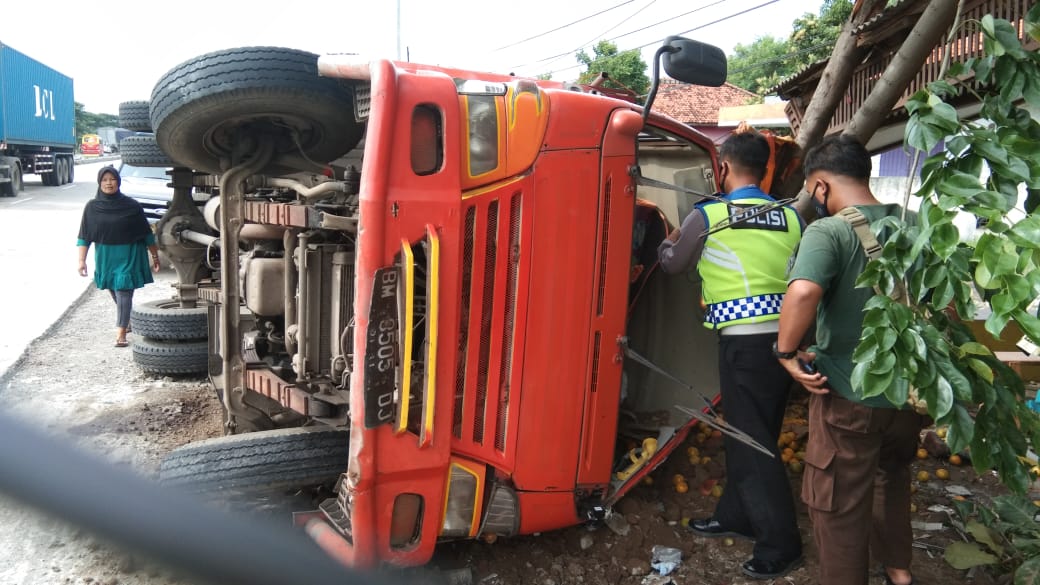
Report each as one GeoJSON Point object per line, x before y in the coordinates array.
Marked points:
{"type": "Point", "coordinates": [134, 116]}
{"type": "Point", "coordinates": [142, 151]}
{"type": "Point", "coordinates": [166, 320]}
{"type": "Point", "coordinates": [264, 461]}
{"type": "Point", "coordinates": [62, 171]}
{"type": "Point", "coordinates": [201, 107]}
{"type": "Point", "coordinates": [170, 357]}
{"type": "Point", "coordinates": [71, 176]}
{"type": "Point", "coordinates": [14, 187]}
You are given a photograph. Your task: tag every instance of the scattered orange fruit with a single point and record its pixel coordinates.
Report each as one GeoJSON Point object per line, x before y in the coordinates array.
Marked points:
{"type": "Point", "coordinates": [678, 478]}
{"type": "Point", "coordinates": [705, 460]}
{"type": "Point", "coordinates": [941, 431]}
{"type": "Point", "coordinates": [922, 454]}
{"type": "Point", "coordinates": [692, 451]}
{"type": "Point", "coordinates": [727, 541]}
{"type": "Point", "coordinates": [942, 473]}
{"type": "Point", "coordinates": [955, 459]}
{"type": "Point", "coordinates": [694, 460]}
{"type": "Point", "coordinates": [923, 475]}
{"type": "Point", "coordinates": [795, 465]}
{"type": "Point", "coordinates": [716, 491]}
{"type": "Point", "coordinates": [682, 487]}
{"type": "Point", "coordinates": [684, 522]}
{"type": "Point", "coordinates": [648, 480]}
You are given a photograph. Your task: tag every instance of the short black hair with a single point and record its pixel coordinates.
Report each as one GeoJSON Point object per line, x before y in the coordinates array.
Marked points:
{"type": "Point", "coordinates": [748, 150]}
{"type": "Point", "coordinates": [841, 155]}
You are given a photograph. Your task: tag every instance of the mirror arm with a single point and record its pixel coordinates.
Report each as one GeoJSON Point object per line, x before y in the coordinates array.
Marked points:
{"type": "Point", "coordinates": [656, 78]}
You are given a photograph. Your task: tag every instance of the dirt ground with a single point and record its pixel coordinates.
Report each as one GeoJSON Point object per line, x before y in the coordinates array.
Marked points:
{"type": "Point", "coordinates": [74, 383]}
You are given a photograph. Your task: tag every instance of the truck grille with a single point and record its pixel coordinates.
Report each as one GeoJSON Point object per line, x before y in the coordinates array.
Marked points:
{"type": "Point", "coordinates": [490, 276]}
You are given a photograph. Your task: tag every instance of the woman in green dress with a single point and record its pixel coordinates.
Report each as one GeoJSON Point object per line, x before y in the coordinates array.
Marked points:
{"type": "Point", "coordinates": [122, 240]}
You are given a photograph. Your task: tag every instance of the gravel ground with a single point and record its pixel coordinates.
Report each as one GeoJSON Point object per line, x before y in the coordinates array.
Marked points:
{"type": "Point", "coordinates": [75, 384]}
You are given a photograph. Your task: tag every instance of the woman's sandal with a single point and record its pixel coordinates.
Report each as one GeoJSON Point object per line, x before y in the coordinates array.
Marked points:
{"type": "Point", "coordinates": [123, 343]}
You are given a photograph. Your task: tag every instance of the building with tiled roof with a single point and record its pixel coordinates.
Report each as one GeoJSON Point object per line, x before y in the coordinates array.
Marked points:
{"type": "Point", "coordinates": [698, 106]}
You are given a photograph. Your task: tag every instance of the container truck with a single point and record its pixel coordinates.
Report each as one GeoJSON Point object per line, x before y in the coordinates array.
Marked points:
{"type": "Point", "coordinates": [37, 122]}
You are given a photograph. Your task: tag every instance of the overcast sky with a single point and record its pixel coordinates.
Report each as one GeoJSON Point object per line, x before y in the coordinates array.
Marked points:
{"type": "Point", "coordinates": [115, 50]}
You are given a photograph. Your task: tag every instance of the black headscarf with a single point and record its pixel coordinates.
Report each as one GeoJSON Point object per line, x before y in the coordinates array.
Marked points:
{"type": "Point", "coordinates": [112, 219]}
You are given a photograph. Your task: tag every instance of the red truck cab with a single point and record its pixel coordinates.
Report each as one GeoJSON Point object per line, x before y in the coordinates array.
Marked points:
{"type": "Point", "coordinates": [498, 260]}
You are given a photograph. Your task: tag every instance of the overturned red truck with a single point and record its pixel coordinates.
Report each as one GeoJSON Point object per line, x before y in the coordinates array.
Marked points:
{"type": "Point", "coordinates": [423, 287]}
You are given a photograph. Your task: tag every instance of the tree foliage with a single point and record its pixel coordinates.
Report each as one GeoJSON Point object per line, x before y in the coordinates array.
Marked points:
{"type": "Point", "coordinates": [759, 66]}
{"type": "Point", "coordinates": [624, 67]}
{"type": "Point", "coordinates": [920, 352]}
{"type": "Point", "coordinates": [89, 122]}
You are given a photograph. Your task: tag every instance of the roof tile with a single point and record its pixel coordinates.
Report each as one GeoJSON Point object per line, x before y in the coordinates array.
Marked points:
{"type": "Point", "coordinates": [697, 104]}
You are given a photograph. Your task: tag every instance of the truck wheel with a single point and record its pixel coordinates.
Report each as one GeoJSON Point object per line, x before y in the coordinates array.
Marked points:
{"type": "Point", "coordinates": [166, 320]}
{"type": "Point", "coordinates": [12, 188]}
{"type": "Point", "coordinates": [170, 357]}
{"type": "Point", "coordinates": [203, 107]}
{"type": "Point", "coordinates": [71, 175]}
{"type": "Point", "coordinates": [142, 151]}
{"type": "Point", "coordinates": [263, 461]}
{"type": "Point", "coordinates": [134, 116]}
{"type": "Point", "coordinates": [61, 174]}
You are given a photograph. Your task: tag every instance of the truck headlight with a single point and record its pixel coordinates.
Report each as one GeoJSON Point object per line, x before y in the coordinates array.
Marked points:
{"type": "Point", "coordinates": [460, 505]}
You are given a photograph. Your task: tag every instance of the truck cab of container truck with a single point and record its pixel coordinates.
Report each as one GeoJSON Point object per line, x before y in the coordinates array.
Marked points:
{"type": "Point", "coordinates": [456, 293]}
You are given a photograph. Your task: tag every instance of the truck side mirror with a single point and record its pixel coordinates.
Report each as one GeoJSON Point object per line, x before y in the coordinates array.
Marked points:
{"type": "Point", "coordinates": [694, 62]}
{"type": "Point", "coordinates": [688, 61]}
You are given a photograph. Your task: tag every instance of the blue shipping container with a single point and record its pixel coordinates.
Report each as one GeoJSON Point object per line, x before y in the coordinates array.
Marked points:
{"type": "Point", "coordinates": [36, 102]}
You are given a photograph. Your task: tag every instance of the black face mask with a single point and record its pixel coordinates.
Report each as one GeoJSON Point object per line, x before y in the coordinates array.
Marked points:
{"type": "Point", "coordinates": [821, 208]}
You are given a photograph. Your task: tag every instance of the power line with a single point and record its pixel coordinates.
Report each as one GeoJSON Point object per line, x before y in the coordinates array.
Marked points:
{"type": "Point", "coordinates": [604, 33]}
{"type": "Point", "coordinates": [723, 19]}
{"type": "Point", "coordinates": [564, 26]}
{"type": "Point", "coordinates": [554, 57]}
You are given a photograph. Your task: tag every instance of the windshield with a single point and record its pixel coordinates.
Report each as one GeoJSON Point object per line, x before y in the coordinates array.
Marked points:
{"type": "Point", "coordinates": [143, 172]}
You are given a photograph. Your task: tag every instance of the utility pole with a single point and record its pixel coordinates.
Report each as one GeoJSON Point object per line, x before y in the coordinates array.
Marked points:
{"type": "Point", "coordinates": [398, 30]}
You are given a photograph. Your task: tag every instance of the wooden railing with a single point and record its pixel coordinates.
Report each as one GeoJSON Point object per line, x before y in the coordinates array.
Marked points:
{"type": "Point", "coordinates": [967, 44]}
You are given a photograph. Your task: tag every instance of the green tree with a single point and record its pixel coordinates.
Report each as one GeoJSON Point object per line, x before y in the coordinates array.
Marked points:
{"type": "Point", "coordinates": [759, 66]}
{"type": "Point", "coordinates": [813, 35]}
{"type": "Point", "coordinates": [89, 122]}
{"type": "Point", "coordinates": [624, 67]}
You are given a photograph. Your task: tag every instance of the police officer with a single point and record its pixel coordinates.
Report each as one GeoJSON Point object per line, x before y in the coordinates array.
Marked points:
{"type": "Point", "coordinates": [742, 265]}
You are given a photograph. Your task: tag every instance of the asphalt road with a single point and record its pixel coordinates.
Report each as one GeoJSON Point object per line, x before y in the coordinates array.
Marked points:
{"type": "Point", "coordinates": [38, 257]}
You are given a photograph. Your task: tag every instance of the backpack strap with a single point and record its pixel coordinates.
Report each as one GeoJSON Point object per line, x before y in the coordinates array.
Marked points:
{"type": "Point", "coordinates": [861, 227]}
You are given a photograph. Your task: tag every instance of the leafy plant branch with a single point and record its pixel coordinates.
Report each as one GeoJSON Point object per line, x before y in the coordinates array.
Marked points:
{"type": "Point", "coordinates": [921, 352]}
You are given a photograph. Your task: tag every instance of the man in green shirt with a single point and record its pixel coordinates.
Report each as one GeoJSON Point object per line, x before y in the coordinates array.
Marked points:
{"type": "Point", "coordinates": [857, 476]}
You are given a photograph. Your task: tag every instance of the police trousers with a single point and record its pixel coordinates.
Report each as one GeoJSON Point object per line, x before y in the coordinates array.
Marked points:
{"type": "Point", "coordinates": [758, 500]}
